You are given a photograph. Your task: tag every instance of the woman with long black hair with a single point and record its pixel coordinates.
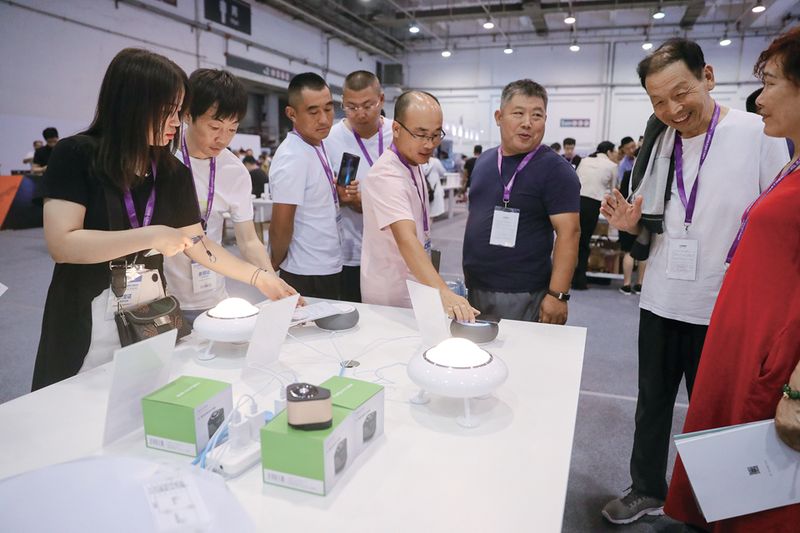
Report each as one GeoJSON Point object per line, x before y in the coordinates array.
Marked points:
{"type": "Point", "coordinates": [115, 196]}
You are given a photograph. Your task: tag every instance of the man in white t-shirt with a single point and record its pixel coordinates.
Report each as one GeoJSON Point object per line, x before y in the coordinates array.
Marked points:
{"type": "Point", "coordinates": [364, 133]}
{"type": "Point", "coordinates": [304, 234]}
{"type": "Point", "coordinates": [219, 101]}
{"type": "Point", "coordinates": [434, 171]}
{"type": "Point", "coordinates": [727, 153]}
{"type": "Point", "coordinates": [397, 234]}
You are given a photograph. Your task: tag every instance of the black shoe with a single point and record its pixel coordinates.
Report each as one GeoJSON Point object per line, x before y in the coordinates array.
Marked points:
{"type": "Point", "coordinates": [626, 290]}
{"type": "Point", "coordinates": [637, 288]}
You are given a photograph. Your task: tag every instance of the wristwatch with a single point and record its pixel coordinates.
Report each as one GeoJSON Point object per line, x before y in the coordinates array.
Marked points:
{"type": "Point", "coordinates": [560, 296]}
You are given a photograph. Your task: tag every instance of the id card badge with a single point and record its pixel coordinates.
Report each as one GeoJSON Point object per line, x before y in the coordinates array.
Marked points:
{"type": "Point", "coordinates": [143, 285]}
{"type": "Point", "coordinates": [504, 227]}
{"type": "Point", "coordinates": [203, 278]}
{"type": "Point", "coordinates": [682, 259]}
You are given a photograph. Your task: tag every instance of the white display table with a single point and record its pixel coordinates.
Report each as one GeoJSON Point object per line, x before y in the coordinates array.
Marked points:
{"type": "Point", "coordinates": [425, 474]}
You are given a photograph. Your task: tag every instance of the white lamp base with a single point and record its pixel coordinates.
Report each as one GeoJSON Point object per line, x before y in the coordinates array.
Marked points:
{"type": "Point", "coordinates": [206, 355]}
{"type": "Point", "coordinates": [467, 421]}
{"type": "Point", "coordinates": [421, 398]}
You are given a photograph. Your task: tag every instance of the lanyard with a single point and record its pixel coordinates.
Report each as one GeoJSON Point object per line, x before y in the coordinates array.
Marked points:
{"type": "Point", "coordinates": [211, 179]}
{"type": "Point", "coordinates": [690, 203]}
{"type": "Point", "coordinates": [522, 164]}
{"type": "Point", "coordinates": [364, 148]}
{"type": "Point", "coordinates": [746, 215]}
{"type": "Point", "coordinates": [323, 159]}
{"type": "Point", "coordinates": [422, 199]}
{"type": "Point", "coordinates": [148, 210]}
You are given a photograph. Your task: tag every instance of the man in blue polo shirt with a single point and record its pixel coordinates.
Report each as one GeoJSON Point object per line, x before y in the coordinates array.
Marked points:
{"type": "Point", "coordinates": [521, 192]}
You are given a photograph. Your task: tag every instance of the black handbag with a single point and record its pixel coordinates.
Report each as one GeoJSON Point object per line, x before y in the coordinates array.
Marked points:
{"type": "Point", "coordinates": [147, 320]}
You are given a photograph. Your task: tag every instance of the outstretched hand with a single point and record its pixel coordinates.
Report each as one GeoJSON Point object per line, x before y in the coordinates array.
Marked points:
{"type": "Point", "coordinates": [620, 213]}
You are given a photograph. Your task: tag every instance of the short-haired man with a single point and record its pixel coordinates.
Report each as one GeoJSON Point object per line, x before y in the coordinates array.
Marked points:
{"type": "Point", "coordinates": [304, 233]}
{"type": "Point", "coordinates": [364, 133]}
{"type": "Point", "coordinates": [42, 154]}
{"type": "Point", "coordinates": [469, 165]}
{"type": "Point", "coordinates": [569, 152]}
{"type": "Point", "coordinates": [28, 159]}
{"type": "Point", "coordinates": [627, 149]}
{"type": "Point", "coordinates": [521, 193]}
{"type": "Point", "coordinates": [687, 230]}
{"type": "Point", "coordinates": [219, 102]}
{"type": "Point", "coordinates": [397, 235]}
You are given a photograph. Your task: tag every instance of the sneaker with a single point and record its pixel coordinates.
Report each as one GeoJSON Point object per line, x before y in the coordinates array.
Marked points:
{"type": "Point", "coordinates": [626, 290]}
{"type": "Point", "coordinates": [632, 507]}
{"type": "Point", "coordinates": [637, 288]}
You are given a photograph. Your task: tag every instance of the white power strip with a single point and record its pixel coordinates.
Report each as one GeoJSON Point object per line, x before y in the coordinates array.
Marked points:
{"type": "Point", "coordinates": [234, 461]}
{"type": "Point", "coordinates": [243, 449]}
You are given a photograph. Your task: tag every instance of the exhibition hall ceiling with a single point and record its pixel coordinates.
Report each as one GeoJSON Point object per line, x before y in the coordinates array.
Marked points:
{"type": "Point", "coordinates": [397, 27]}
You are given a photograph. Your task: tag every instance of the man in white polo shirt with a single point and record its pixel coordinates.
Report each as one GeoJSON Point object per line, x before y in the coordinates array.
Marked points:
{"type": "Point", "coordinates": [364, 133]}
{"type": "Point", "coordinates": [219, 101]}
{"type": "Point", "coordinates": [304, 233]}
{"type": "Point", "coordinates": [397, 235]}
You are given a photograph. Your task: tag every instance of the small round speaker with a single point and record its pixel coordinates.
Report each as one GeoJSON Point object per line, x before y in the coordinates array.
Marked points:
{"type": "Point", "coordinates": [479, 332]}
{"type": "Point", "coordinates": [348, 318]}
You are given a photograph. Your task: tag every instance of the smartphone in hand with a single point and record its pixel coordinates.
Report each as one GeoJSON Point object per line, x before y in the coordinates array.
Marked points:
{"type": "Point", "coordinates": [348, 169]}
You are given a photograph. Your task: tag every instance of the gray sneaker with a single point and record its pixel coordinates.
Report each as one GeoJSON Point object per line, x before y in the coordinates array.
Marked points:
{"type": "Point", "coordinates": [631, 507]}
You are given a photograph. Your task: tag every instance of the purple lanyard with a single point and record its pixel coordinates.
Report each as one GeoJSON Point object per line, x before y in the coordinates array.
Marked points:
{"type": "Point", "coordinates": [690, 203]}
{"type": "Point", "coordinates": [522, 164]}
{"type": "Point", "coordinates": [422, 198]}
{"type": "Point", "coordinates": [323, 159]}
{"type": "Point", "coordinates": [746, 215]}
{"type": "Point", "coordinates": [211, 179]}
{"type": "Point", "coordinates": [364, 148]}
{"type": "Point", "coordinates": [148, 210]}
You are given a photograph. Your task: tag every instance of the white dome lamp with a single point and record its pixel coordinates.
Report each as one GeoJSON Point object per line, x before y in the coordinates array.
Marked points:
{"type": "Point", "coordinates": [231, 320]}
{"type": "Point", "coordinates": [457, 368]}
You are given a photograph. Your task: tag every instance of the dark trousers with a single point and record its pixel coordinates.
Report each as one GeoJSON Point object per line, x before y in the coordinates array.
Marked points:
{"type": "Point", "coordinates": [590, 212]}
{"type": "Point", "coordinates": [668, 350]}
{"type": "Point", "coordinates": [327, 287]}
{"type": "Point", "coordinates": [351, 283]}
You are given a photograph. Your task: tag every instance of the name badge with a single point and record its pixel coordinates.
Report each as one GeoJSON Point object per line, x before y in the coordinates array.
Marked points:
{"type": "Point", "coordinates": [682, 259]}
{"type": "Point", "coordinates": [203, 278]}
{"type": "Point", "coordinates": [144, 285]}
{"type": "Point", "coordinates": [504, 227]}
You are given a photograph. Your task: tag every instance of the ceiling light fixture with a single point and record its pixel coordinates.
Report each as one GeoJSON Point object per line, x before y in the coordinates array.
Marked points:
{"type": "Point", "coordinates": [574, 47]}
{"type": "Point", "coordinates": [413, 28]}
{"type": "Point", "coordinates": [759, 7]}
{"type": "Point", "coordinates": [446, 52]}
{"type": "Point", "coordinates": [488, 25]}
{"type": "Point", "coordinates": [725, 41]}
{"type": "Point", "coordinates": [647, 45]}
{"type": "Point", "coordinates": [659, 14]}
{"type": "Point", "coordinates": [508, 49]}
{"type": "Point", "coordinates": [570, 19]}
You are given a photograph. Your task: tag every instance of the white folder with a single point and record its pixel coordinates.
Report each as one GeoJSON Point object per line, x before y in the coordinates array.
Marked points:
{"type": "Point", "coordinates": [739, 470]}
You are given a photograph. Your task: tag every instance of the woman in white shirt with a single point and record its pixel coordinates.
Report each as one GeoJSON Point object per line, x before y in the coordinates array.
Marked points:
{"type": "Point", "coordinates": [597, 174]}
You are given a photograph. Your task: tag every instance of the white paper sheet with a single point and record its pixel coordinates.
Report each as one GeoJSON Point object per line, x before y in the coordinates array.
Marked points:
{"type": "Point", "coordinates": [139, 369]}
{"type": "Point", "coordinates": [270, 331]}
{"type": "Point", "coordinates": [740, 469]}
{"type": "Point", "coordinates": [432, 321]}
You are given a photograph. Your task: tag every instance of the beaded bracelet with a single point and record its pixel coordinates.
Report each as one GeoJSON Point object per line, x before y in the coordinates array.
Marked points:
{"type": "Point", "coordinates": [789, 393]}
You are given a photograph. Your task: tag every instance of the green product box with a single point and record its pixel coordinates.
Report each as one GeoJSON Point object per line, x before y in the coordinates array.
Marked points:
{"type": "Point", "coordinates": [365, 401]}
{"type": "Point", "coordinates": [306, 460]}
{"type": "Point", "coordinates": [314, 460]}
{"type": "Point", "coordinates": [182, 416]}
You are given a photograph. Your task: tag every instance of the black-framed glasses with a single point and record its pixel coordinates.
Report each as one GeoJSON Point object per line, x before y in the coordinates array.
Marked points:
{"type": "Point", "coordinates": [439, 137]}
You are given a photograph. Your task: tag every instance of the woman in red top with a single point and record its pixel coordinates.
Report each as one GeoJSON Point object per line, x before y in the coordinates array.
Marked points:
{"type": "Point", "coordinates": [753, 343]}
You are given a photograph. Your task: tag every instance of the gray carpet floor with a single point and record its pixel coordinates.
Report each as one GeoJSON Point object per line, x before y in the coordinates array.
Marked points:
{"type": "Point", "coordinates": [604, 427]}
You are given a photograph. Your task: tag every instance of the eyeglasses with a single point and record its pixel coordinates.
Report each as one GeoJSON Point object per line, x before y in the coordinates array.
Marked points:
{"type": "Point", "coordinates": [369, 106]}
{"type": "Point", "coordinates": [435, 139]}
